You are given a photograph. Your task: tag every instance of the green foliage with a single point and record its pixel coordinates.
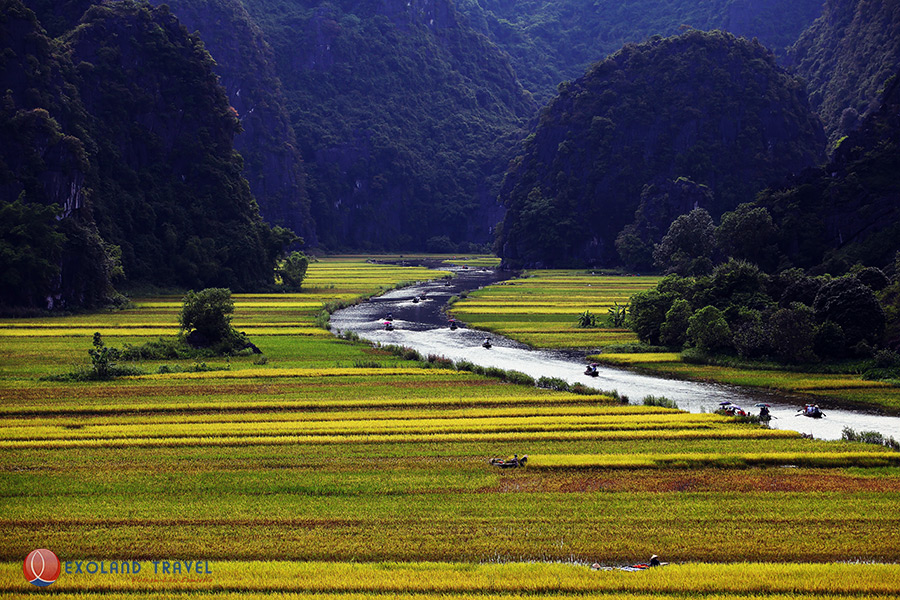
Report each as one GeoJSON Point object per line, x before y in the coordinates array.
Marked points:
{"type": "Point", "coordinates": [659, 401]}
{"type": "Point", "coordinates": [748, 233]}
{"type": "Point", "coordinates": [293, 270]}
{"type": "Point", "coordinates": [103, 358]}
{"type": "Point", "coordinates": [688, 246]}
{"type": "Point", "coordinates": [405, 116]}
{"type": "Point", "coordinates": [618, 315]}
{"type": "Point", "coordinates": [206, 318]}
{"type": "Point", "coordinates": [587, 319]}
{"type": "Point", "coordinates": [708, 330]}
{"type": "Point", "coordinates": [849, 303]}
{"type": "Point", "coordinates": [30, 250]}
{"type": "Point", "coordinates": [648, 312]}
{"type": "Point", "coordinates": [673, 331]}
{"type": "Point", "coordinates": [658, 111]}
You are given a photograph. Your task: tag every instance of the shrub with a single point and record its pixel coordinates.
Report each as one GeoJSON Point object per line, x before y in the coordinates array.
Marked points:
{"type": "Point", "coordinates": [853, 306]}
{"type": "Point", "coordinates": [587, 319]}
{"type": "Point", "coordinates": [659, 401]}
{"type": "Point", "coordinates": [206, 320]}
{"type": "Point", "coordinates": [553, 383]}
{"type": "Point", "coordinates": [293, 270]}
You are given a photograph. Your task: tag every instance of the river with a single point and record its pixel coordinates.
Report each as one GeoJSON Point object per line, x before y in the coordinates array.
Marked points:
{"type": "Point", "coordinates": [423, 326]}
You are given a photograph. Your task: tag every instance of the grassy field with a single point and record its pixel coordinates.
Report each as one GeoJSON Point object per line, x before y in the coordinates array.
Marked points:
{"type": "Point", "coordinates": [542, 309]}
{"type": "Point", "coordinates": [368, 476]}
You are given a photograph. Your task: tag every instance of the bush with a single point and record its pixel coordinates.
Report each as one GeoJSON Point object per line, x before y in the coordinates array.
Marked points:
{"type": "Point", "coordinates": [673, 331]}
{"type": "Point", "coordinates": [659, 401]}
{"type": "Point", "coordinates": [587, 319]}
{"type": "Point", "coordinates": [853, 306]}
{"type": "Point", "coordinates": [553, 383]}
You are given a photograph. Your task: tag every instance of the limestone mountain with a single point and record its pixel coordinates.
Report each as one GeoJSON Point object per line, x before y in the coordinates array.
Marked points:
{"type": "Point", "coordinates": [705, 106]}
{"type": "Point", "coordinates": [847, 211]}
{"type": "Point", "coordinates": [846, 56]}
{"type": "Point", "coordinates": [550, 42]}
{"type": "Point", "coordinates": [405, 116]}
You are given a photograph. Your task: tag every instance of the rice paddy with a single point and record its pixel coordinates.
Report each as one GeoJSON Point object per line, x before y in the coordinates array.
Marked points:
{"type": "Point", "coordinates": [542, 309]}
{"type": "Point", "coordinates": [332, 467]}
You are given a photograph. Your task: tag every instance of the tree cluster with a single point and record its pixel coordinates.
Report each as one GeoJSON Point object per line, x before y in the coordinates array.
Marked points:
{"type": "Point", "coordinates": [789, 317]}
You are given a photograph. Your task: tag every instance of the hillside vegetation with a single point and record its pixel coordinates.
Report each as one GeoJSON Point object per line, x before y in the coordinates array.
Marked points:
{"type": "Point", "coordinates": [142, 170]}
{"type": "Point", "coordinates": [551, 42]}
{"type": "Point", "coordinates": [846, 56]}
{"type": "Point", "coordinates": [405, 117]}
{"type": "Point", "coordinates": [706, 106]}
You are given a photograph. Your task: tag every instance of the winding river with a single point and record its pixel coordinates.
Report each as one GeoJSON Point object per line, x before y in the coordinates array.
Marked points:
{"type": "Point", "coordinates": [422, 325]}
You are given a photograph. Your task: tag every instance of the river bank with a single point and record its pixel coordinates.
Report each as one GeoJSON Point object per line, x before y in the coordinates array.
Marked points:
{"type": "Point", "coordinates": [419, 322]}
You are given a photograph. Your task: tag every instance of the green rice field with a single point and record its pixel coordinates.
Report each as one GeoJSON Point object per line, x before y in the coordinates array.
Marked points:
{"type": "Point", "coordinates": [542, 308]}
{"type": "Point", "coordinates": [334, 468]}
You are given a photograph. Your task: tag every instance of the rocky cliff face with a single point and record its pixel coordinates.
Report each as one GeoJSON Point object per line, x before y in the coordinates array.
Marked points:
{"type": "Point", "coordinates": [846, 56]}
{"type": "Point", "coordinates": [404, 116]}
{"type": "Point", "coordinates": [51, 257]}
{"type": "Point", "coordinates": [246, 67]}
{"type": "Point", "coordinates": [709, 107]}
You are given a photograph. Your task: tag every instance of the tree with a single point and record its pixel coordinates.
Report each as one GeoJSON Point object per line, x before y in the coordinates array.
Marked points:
{"type": "Point", "coordinates": [206, 316]}
{"type": "Point", "coordinates": [674, 330]}
{"type": "Point", "coordinates": [647, 312]}
{"type": "Point", "coordinates": [30, 249]}
{"type": "Point", "coordinates": [852, 305]}
{"type": "Point", "coordinates": [293, 271]}
{"type": "Point", "coordinates": [688, 246]}
{"type": "Point", "coordinates": [792, 333]}
{"type": "Point", "coordinates": [748, 233]}
{"type": "Point", "coordinates": [708, 330]}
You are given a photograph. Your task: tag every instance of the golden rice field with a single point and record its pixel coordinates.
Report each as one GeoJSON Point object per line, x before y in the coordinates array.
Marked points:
{"type": "Point", "coordinates": [542, 308]}
{"type": "Point", "coordinates": [335, 468]}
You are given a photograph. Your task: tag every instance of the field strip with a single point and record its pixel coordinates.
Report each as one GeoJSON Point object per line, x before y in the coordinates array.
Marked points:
{"type": "Point", "coordinates": [613, 461]}
{"type": "Point", "coordinates": [402, 437]}
{"type": "Point", "coordinates": [598, 413]}
{"type": "Point", "coordinates": [301, 372]}
{"type": "Point", "coordinates": [218, 405]}
{"type": "Point", "coordinates": [359, 427]}
{"type": "Point", "coordinates": [336, 579]}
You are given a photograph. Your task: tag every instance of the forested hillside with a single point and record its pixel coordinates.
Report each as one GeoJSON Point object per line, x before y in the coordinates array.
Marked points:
{"type": "Point", "coordinates": [551, 42]}
{"type": "Point", "coordinates": [246, 66]}
{"type": "Point", "coordinates": [405, 117]}
{"type": "Point", "coordinates": [846, 57]}
{"type": "Point", "coordinates": [121, 129]}
{"type": "Point", "coordinates": [50, 251]}
{"type": "Point", "coordinates": [706, 106]}
{"type": "Point", "coordinates": [849, 210]}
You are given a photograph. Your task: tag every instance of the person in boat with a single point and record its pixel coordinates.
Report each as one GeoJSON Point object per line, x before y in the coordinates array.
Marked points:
{"type": "Point", "coordinates": [591, 369]}
{"type": "Point", "coordinates": [764, 414]}
{"type": "Point", "coordinates": [487, 342]}
{"type": "Point", "coordinates": [654, 561]}
{"type": "Point", "coordinates": [389, 317]}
